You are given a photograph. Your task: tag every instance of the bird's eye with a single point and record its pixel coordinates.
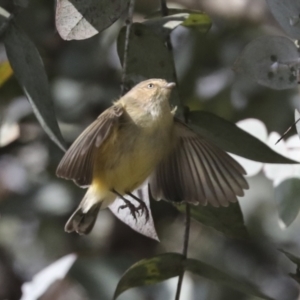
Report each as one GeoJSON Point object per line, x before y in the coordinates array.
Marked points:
{"type": "Point", "coordinates": [150, 85]}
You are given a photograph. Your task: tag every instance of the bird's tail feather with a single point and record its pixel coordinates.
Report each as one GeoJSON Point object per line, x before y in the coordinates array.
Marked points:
{"type": "Point", "coordinates": [83, 222]}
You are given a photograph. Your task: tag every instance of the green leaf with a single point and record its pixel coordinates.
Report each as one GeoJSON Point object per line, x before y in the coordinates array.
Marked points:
{"type": "Point", "coordinates": [150, 271]}
{"type": "Point", "coordinates": [228, 220]}
{"type": "Point", "coordinates": [193, 19]}
{"type": "Point", "coordinates": [148, 57]}
{"type": "Point", "coordinates": [168, 265]}
{"type": "Point", "coordinates": [30, 73]}
{"type": "Point", "coordinates": [287, 196]}
{"type": "Point", "coordinates": [271, 61]}
{"type": "Point", "coordinates": [204, 270]}
{"type": "Point", "coordinates": [198, 21]}
{"type": "Point", "coordinates": [174, 11]}
{"type": "Point", "coordinates": [82, 19]}
{"type": "Point", "coordinates": [233, 139]}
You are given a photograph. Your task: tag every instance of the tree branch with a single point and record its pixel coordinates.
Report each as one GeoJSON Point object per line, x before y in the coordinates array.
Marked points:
{"type": "Point", "coordinates": [126, 46]}
{"type": "Point", "coordinates": [185, 247]}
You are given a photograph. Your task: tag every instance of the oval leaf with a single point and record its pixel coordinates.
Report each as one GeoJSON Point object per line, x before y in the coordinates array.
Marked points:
{"type": "Point", "coordinates": [287, 196]}
{"type": "Point", "coordinates": [228, 220]}
{"type": "Point", "coordinates": [30, 73]}
{"type": "Point", "coordinates": [198, 21]}
{"type": "Point", "coordinates": [150, 271]}
{"type": "Point", "coordinates": [148, 57]}
{"type": "Point", "coordinates": [287, 13]}
{"type": "Point", "coordinates": [270, 61]}
{"type": "Point", "coordinates": [233, 139]}
{"type": "Point", "coordinates": [82, 19]}
{"type": "Point", "coordinates": [204, 270]}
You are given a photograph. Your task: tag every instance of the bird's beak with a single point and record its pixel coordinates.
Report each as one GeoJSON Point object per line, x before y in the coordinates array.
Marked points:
{"type": "Point", "coordinates": [170, 85]}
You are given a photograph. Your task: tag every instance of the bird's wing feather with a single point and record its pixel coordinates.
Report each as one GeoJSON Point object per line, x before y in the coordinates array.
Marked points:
{"type": "Point", "coordinates": [77, 163]}
{"type": "Point", "coordinates": [197, 171]}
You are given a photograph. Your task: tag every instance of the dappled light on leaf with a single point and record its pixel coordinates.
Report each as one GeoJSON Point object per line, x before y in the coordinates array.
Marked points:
{"type": "Point", "coordinates": [82, 19]}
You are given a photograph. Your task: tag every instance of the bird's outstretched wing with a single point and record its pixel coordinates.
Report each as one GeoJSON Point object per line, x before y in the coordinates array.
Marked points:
{"type": "Point", "coordinates": [197, 171]}
{"type": "Point", "coordinates": [77, 163]}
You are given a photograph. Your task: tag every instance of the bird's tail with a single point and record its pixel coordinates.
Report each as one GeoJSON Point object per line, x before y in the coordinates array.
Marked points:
{"type": "Point", "coordinates": [83, 222]}
{"type": "Point", "coordinates": [83, 219]}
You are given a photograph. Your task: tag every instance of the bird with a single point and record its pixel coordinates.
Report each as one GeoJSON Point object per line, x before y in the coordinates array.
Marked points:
{"type": "Point", "coordinates": [139, 139]}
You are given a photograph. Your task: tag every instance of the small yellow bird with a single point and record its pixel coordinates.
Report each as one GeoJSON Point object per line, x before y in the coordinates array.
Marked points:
{"type": "Point", "coordinates": [138, 139]}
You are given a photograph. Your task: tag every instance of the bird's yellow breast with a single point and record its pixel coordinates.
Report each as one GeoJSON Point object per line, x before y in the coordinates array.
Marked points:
{"type": "Point", "coordinates": [129, 156]}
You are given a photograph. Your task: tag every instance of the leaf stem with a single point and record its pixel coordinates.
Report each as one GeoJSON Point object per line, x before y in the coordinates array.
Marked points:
{"type": "Point", "coordinates": [165, 12]}
{"type": "Point", "coordinates": [164, 8]}
{"type": "Point", "coordinates": [126, 47]}
{"type": "Point", "coordinates": [16, 10]}
{"type": "Point", "coordinates": [185, 247]}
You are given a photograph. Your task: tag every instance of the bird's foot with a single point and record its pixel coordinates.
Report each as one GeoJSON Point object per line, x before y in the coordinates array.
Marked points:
{"type": "Point", "coordinates": [142, 206]}
{"type": "Point", "coordinates": [133, 209]}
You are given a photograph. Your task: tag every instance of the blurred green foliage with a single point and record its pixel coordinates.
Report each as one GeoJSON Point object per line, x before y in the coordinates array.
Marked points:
{"type": "Point", "coordinates": [85, 78]}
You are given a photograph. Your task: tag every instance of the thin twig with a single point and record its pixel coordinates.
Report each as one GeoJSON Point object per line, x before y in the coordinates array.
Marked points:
{"type": "Point", "coordinates": [164, 8]}
{"type": "Point", "coordinates": [295, 123]}
{"type": "Point", "coordinates": [165, 12]}
{"type": "Point", "coordinates": [185, 247]}
{"type": "Point", "coordinates": [126, 46]}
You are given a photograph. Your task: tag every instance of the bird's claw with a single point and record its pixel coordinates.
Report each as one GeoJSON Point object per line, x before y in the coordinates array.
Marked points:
{"type": "Point", "coordinates": [134, 210]}
{"type": "Point", "coordinates": [144, 209]}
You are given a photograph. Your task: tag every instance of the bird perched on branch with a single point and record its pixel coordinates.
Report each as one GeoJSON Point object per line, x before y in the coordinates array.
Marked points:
{"type": "Point", "coordinates": [138, 139]}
